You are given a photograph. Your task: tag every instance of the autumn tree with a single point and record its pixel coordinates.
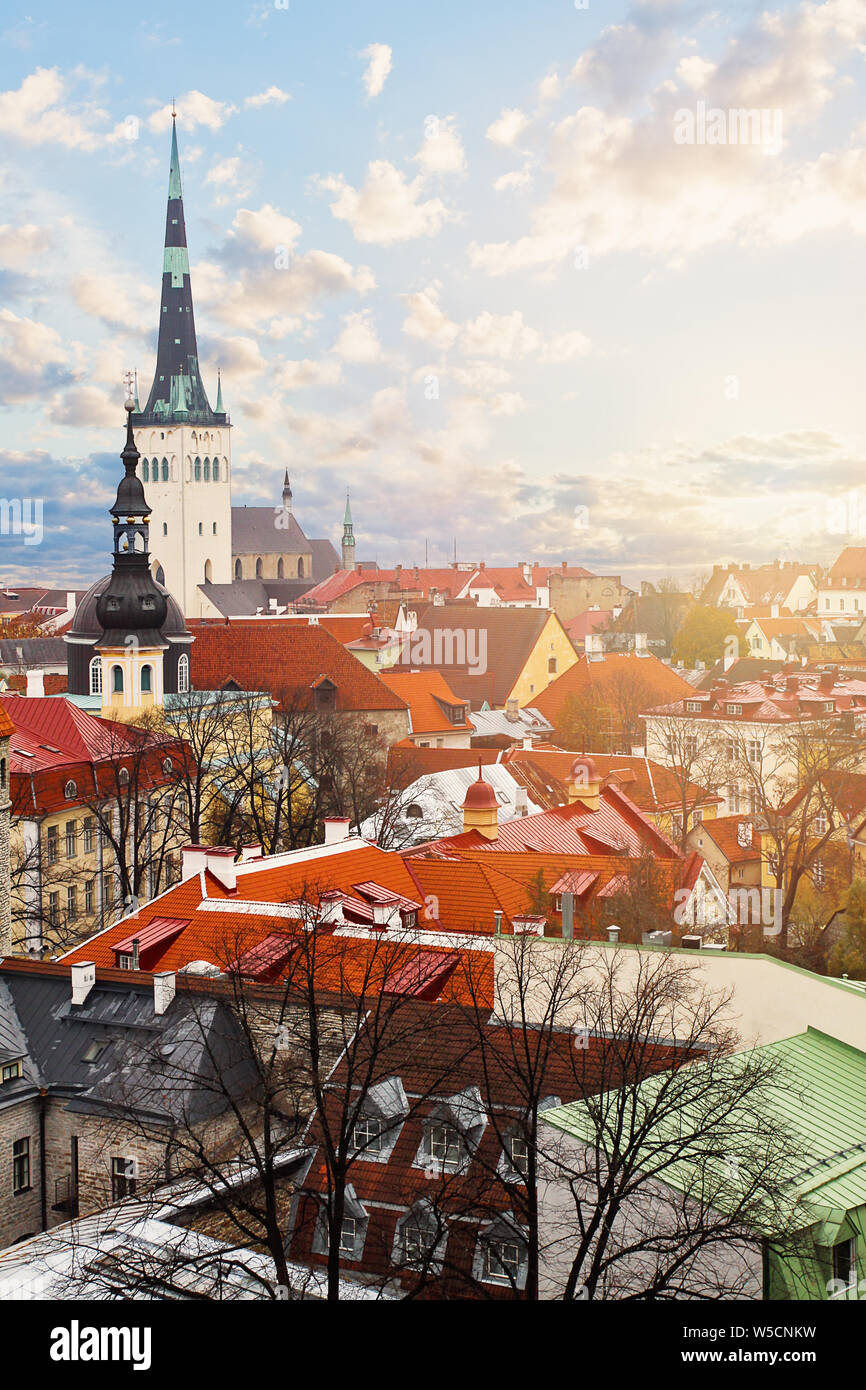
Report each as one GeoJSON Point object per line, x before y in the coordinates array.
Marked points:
{"type": "Point", "coordinates": [702, 635]}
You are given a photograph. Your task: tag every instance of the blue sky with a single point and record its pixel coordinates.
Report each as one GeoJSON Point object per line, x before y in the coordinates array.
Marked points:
{"type": "Point", "coordinates": [511, 308]}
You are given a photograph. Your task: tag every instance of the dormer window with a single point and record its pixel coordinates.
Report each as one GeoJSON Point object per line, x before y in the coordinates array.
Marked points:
{"type": "Point", "coordinates": [70, 791]}
{"type": "Point", "coordinates": [518, 1151]}
{"type": "Point", "coordinates": [367, 1134]}
{"type": "Point", "coordinates": [693, 706]}
{"type": "Point", "coordinates": [11, 1071]}
{"type": "Point", "coordinates": [444, 1143]}
{"type": "Point", "coordinates": [148, 603]}
{"type": "Point", "coordinates": [734, 709]}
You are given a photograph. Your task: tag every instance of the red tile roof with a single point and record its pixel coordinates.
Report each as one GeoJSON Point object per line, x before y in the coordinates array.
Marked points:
{"type": "Point", "coordinates": [284, 659]}
{"type": "Point", "coordinates": [651, 680]}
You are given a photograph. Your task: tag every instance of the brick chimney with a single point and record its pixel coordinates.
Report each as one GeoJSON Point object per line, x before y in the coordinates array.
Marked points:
{"type": "Point", "coordinates": [584, 783]}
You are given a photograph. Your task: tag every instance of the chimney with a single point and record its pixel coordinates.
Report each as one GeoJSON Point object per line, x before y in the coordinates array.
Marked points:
{"type": "Point", "coordinates": [164, 985]}
{"type": "Point", "coordinates": [387, 914]}
{"type": "Point", "coordinates": [220, 861]}
{"type": "Point", "coordinates": [512, 713]}
{"type": "Point", "coordinates": [497, 922]}
{"type": "Point", "coordinates": [564, 566]}
{"type": "Point", "coordinates": [83, 979]}
{"type": "Point", "coordinates": [249, 853]}
{"type": "Point", "coordinates": [331, 906]}
{"type": "Point", "coordinates": [521, 801]}
{"type": "Point", "coordinates": [584, 783]}
{"type": "Point", "coordinates": [336, 829]}
{"type": "Point", "coordinates": [613, 934]}
{"type": "Point", "coordinates": [35, 683]}
{"type": "Point", "coordinates": [774, 610]}
{"type": "Point", "coordinates": [567, 916]}
{"type": "Point", "coordinates": [526, 742]}
{"type": "Point", "coordinates": [71, 601]}
{"type": "Point", "coordinates": [640, 642]}
{"type": "Point", "coordinates": [593, 645]}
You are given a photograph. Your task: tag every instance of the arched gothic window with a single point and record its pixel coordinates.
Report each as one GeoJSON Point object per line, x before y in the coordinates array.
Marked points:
{"type": "Point", "coordinates": [117, 679]}
{"type": "Point", "coordinates": [165, 470]}
{"type": "Point", "coordinates": [196, 469]}
{"type": "Point", "coordinates": [146, 679]}
{"type": "Point", "coordinates": [183, 674]}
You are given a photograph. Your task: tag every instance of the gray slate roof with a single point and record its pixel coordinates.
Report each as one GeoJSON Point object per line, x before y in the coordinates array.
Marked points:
{"type": "Point", "coordinates": [255, 532]}
{"type": "Point", "coordinates": [33, 651]}
{"type": "Point", "coordinates": [162, 1065]}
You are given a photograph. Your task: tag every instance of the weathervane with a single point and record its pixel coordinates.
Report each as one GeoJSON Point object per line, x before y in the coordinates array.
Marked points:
{"type": "Point", "coordinates": [129, 385]}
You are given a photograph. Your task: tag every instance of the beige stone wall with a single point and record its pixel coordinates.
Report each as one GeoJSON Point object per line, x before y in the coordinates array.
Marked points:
{"type": "Point", "coordinates": [570, 596]}
{"type": "Point", "coordinates": [19, 1213]}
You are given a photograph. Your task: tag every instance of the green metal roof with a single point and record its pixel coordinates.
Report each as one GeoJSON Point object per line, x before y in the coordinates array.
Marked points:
{"type": "Point", "coordinates": [821, 1099]}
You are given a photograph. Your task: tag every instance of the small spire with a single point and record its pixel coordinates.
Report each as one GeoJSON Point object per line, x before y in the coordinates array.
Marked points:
{"type": "Point", "coordinates": [347, 519]}
{"type": "Point", "coordinates": [287, 493]}
{"type": "Point", "coordinates": [220, 408]}
{"type": "Point", "coordinates": [174, 188]}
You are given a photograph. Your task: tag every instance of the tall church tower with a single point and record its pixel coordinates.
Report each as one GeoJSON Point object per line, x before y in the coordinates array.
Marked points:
{"type": "Point", "coordinates": [185, 446]}
{"type": "Point", "coordinates": [348, 539]}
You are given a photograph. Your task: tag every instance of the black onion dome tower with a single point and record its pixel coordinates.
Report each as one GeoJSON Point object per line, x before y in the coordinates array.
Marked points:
{"type": "Point", "coordinates": [127, 611]}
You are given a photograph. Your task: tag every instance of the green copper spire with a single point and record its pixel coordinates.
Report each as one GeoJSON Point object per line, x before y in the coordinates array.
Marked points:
{"type": "Point", "coordinates": [220, 409]}
{"type": "Point", "coordinates": [177, 394]}
{"type": "Point", "coordinates": [347, 519]}
{"type": "Point", "coordinates": [174, 188]}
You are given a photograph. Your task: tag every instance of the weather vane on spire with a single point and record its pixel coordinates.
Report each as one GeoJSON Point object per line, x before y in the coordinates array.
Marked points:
{"type": "Point", "coordinates": [129, 386]}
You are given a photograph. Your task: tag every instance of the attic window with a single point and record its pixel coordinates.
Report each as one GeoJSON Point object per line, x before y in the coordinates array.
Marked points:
{"type": "Point", "coordinates": [734, 709]}
{"type": "Point", "coordinates": [11, 1071]}
{"type": "Point", "coordinates": [693, 706]}
{"type": "Point", "coordinates": [414, 811]}
{"type": "Point", "coordinates": [70, 791]}
{"type": "Point", "coordinates": [95, 1051]}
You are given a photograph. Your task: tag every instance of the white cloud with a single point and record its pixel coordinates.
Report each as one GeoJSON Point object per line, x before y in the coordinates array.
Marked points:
{"type": "Point", "coordinates": [117, 301]}
{"type": "Point", "coordinates": [549, 88]}
{"type": "Point", "coordinates": [33, 359]}
{"type": "Point", "coordinates": [257, 280]}
{"type": "Point", "coordinates": [517, 178]}
{"type": "Point", "coordinates": [269, 97]}
{"type": "Point", "coordinates": [564, 347]}
{"type": "Point", "coordinates": [87, 407]}
{"type": "Point", "coordinates": [377, 69]}
{"type": "Point", "coordinates": [695, 72]}
{"type": "Point", "coordinates": [508, 126]}
{"type": "Point", "coordinates": [295, 376]}
{"type": "Point", "coordinates": [442, 150]}
{"type": "Point", "coordinates": [38, 113]}
{"type": "Point", "coordinates": [427, 321]}
{"type": "Point", "coordinates": [358, 340]}
{"type": "Point", "coordinates": [22, 244]}
{"type": "Point", "coordinates": [499, 335]}
{"type": "Point", "coordinates": [193, 110]}
{"type": "Point", "coordinates": [388, 207]}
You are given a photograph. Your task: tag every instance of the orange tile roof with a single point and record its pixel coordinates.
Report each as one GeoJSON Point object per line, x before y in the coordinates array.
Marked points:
{"type": "Point", "coordinates": [284, 659]}
{"type": "Point", "coordinates": [652, 680]}
{"type": "Point", "coordinates": [422, 691]}
{"type": "Point", "coordinates": [725, 831]}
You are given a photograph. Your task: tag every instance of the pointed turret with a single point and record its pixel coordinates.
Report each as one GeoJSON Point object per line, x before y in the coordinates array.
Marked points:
{"type": "Point", "coordinates": [177, 393]}
{"type": "Point", "coordinates": [348, 538]}
{"type": "Point", "coordinates": [220, 409]}
{"type": "Point", "coordinates": [287, 493]}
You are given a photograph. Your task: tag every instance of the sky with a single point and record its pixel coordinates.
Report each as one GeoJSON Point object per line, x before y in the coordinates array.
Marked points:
{"type": "Point", "coordinates": [483, 265]}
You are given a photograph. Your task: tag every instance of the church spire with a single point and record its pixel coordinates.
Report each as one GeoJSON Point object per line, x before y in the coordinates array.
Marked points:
{"type": "Point", "coordinates": [287, 493]}
{"type": "Point", "coordinates": [177, 393]}
{"type": "Point", "coordinates": [348, 539]}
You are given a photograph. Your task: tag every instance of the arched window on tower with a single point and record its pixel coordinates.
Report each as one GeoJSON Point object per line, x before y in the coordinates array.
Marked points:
{"type": "Point", "coordinates": [207, 470]}
{"type": "Point", "coordinates": [260, 569]}
{"type": "Point", "coordinates": [165, 528]}
{"type": "Point", "coordinates": [165, 470]}
{"type": "Point", "coordinates": [145, 470]}
{"type": "Point", "coordinates": [281, 569]}
{"type": "Point", "coordinates": [216, 470]}
{"type": "Point", "coordinates": [196, 470]}
{"type": "Point", "coordinates": [183, 674]}
{"type": "Point", "coordinates": [300, 569]}
{"type": "Point", "coordinates": [160, 575]}
{"type": "Point", "coordinates": [95, 676]}
{"type": "Point", "coordinates": [117, 679]}
{"type": "Point", "coordinates": [146, 679]}
{"type": "Point", "coordinates": [208, 571]}
{"type": "Point", "coordinates": [239, 570]}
